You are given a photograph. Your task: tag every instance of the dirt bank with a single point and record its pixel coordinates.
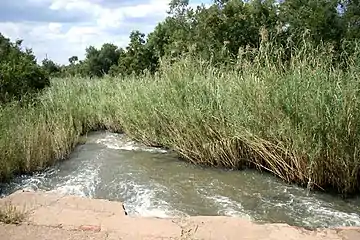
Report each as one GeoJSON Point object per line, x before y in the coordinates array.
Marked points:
{"type": "Point", "coordinates": [53, 216]}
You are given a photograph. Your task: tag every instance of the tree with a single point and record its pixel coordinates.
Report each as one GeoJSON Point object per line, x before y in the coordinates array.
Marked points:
{"type": "Point", "coordinates": [178, 8]}
{"type": "Point", "coordinates": [99, 61]}
{"type": "Point", "coordinates": [51, 68]}
{"type": "Point", "coordinates": [320, 18]}
{"type": "Point", "coordinates": [351, 9]}
{"type": "Point", "coordinates": [218, 33]}
{"type": "Point", "coordinates": [73, 59]}
{"type": "Point", "coordinates": [138, 56]}
{"type": "Point", "coordinates": [19, 73]}
{"type": "Point", "coordinates": [108, 56]}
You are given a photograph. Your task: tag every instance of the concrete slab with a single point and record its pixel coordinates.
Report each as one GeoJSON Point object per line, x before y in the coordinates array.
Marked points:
{"type": "Point", "coordinates": [29, 200]}
{"type": "Point", "coordinates": [30, 232]}
{"type": "Point", "coordinates": [95, 205]}
{"type": "Point", "coordinates": [52, 216]}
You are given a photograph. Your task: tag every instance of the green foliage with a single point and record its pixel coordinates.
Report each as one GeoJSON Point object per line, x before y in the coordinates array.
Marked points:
{"type": "Point", "coordinates": [19, 73]}
{"type": "Point", "coordinates": [73, 59]}
{"type": "Point", "coordinates": [99, 62]}
{"type": "Point", "coordinates": [51, 68]}
{"type": "Point", "coordinates": [352, 18]}
{"type": "Point", "coordinates": [320, 18]}
{"type": "Point", "coordinates": [220, 32]}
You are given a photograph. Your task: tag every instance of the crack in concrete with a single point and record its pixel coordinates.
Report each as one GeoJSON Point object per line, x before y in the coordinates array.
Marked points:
{"type": "Point", "coordinates": [187, 228]}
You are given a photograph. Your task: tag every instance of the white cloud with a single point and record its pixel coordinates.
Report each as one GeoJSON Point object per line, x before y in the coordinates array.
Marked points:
{"type": "Point", "coordinates": [154, 7]}
{"type": "Point", "coordinates": [55, 27]}
{"type": "Point", "coordinates": [101, 23]}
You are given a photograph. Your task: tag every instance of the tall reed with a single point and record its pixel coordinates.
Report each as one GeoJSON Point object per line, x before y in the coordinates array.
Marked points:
{"type": "Point", "coordinates": [300, 121]}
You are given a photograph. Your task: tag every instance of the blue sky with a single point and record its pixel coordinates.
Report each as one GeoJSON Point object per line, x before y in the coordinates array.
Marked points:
{"type": "Point", "coordinates": [63, 28]}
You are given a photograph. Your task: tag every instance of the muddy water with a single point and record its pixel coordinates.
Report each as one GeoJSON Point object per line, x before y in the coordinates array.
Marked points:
{"type": "Point", "coordinates": [152, 182]}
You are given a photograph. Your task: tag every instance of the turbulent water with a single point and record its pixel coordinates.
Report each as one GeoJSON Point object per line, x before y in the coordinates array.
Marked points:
{"type": "Point", "coordinates": [152, 182]}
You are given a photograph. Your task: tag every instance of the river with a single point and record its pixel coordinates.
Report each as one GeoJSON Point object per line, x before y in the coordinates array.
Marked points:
{"type": "Point", "coordinates": [153, 182]}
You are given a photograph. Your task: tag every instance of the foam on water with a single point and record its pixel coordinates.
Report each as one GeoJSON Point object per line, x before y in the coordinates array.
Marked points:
{"type": "Point", "coordinates": [144, 198]}
{"type": "Point", "coordinates": [321, 215]}
{"type": "Point", "coordinates": [83, 184]}
{"type": "Point", "coordinates": [120, 142]}
{"type": "Point", "coordinates": [314, 211]}
{"type": "Point", "coordinates": [145, 189]}
{"type": "Point", "coordinates": [30, 183]}
{"type": "Point", "coordinates": [143, 201]}
{"type": "Point", "coordinates": [229, 207]}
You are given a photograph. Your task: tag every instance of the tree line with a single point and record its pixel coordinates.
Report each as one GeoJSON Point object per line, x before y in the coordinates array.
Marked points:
{"type": "Point", "coordinates": [218, 33]}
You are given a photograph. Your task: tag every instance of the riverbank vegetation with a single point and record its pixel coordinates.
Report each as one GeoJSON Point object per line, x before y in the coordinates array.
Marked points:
{"type": "Point", "coordinates": [10, 214]}
{"type": "Point", "coordinates": [233, 85]}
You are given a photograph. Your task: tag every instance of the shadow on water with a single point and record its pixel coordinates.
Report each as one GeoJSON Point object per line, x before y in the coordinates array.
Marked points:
{"type": "Point", "coordinates": [152, 182]}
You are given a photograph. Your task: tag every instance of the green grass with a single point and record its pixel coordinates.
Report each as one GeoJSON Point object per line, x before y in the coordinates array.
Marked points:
{"type": "Point", "coordinates": [302, 124]}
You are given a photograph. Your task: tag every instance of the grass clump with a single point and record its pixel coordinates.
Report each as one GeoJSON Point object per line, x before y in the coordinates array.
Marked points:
{"type": "Point", "coordinates": [300, 121]}
{"type": "Point", "coordinates": [9, 214]}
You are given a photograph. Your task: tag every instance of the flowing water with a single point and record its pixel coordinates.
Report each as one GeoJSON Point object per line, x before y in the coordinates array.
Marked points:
{"type": "Point", "coordinates": [153, 182]}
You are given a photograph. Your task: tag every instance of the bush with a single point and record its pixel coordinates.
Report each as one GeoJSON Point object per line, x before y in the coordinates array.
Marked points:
{"type": "Point", "coordinates": [20, 75]}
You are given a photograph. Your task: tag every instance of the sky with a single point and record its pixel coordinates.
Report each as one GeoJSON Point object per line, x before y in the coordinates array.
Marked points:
{"type": "Point", "coordinates": [60, 29]}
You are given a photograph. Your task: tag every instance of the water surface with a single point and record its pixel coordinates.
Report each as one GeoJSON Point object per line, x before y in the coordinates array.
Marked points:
{"type": "Point", "coordinates": [153, 182]}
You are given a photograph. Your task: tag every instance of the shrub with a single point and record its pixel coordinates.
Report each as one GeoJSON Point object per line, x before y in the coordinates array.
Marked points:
{"type": "Point", "coordinates": [20, 75]}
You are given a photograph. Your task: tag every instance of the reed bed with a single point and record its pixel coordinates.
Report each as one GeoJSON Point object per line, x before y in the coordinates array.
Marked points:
{"type": "Point", "coordinates": [299, 121]}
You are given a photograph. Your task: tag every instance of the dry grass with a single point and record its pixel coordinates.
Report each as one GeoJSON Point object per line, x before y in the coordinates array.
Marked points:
{"type": "Point", "coordinates": [10, 214]}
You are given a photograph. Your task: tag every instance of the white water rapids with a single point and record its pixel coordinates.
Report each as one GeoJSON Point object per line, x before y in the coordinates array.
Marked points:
{"type": "Point", "coordinates": [153, 182]}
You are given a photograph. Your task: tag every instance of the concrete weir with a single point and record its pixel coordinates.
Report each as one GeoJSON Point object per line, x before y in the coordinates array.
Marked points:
{"type": "Point", "coordinates": [53, 216]}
